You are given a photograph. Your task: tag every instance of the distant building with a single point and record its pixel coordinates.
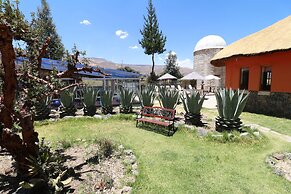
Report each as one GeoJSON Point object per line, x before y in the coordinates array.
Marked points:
{"type": "Point", "coordinates": [115, 79]}
{"type": "Point", "coordinates": [261, 63]}
{"type": "Point", "coordinates": [204, 51]}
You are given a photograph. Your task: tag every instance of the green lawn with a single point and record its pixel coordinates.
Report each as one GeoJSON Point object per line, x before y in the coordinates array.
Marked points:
{"type": "Point", "coordinates": [183, 163]}
{"type": "Point", "coordinates": [280, 125]}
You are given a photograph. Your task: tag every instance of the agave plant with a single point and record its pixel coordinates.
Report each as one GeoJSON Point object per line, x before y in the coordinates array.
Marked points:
{"type": "Point", "coordinates": [147, 96]}
{"type": "Point", "coordinates": [168, 98]}
{"type": "Point", "coordinates": [106, 101]}
{"type": "Point", "coordinates": [90, 96]}
{"type": "Point", "coordinates": [126, 99]}
{"type": "Point", "coordinates": [42, 109]}
{"type": "Point", "coordinates": [230, 104]}
{"type": "Point", "coordinates": [67, 99]}
{"type": "Point", "coordinates": [192, 105]}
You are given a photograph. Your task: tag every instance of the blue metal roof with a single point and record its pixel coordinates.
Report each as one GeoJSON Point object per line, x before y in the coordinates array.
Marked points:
{"type": "Point", "coordinates": [49, 64]}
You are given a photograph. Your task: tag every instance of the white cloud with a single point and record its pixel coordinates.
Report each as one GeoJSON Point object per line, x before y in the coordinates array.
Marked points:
{"type": "Point", "coordinates": [185, 63]}
{"type": "Point", "coordinates": [121, 34]}
{"type": "Point", "coordinates": [161, 59]}
{"type": "Point", "coordinates": [134, 47]}
{"type": "Point", "coordinates": [85, 22]}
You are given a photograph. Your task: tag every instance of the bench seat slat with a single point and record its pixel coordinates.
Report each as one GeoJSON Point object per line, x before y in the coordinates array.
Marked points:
{"type": "Point", "coordinates": [154, 121]}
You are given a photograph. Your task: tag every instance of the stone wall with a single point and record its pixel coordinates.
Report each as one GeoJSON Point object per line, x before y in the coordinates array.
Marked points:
{"type": "Point", "coordinates": [272, 104]}
{"type": "Point", "coordinates": [202, 66]}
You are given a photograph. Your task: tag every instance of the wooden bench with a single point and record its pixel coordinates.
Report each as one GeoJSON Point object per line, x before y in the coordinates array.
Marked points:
{"type": "Point", "coordinates": [157, 116]}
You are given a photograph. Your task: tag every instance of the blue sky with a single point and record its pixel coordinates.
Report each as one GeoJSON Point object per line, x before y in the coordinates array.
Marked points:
{"type": "Point", "coordinates": [110, 28]}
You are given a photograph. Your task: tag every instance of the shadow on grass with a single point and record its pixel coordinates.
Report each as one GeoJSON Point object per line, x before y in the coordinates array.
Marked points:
{"type": "Point", "coordinates": [9, 183]}
{"type": "Point", "coordinates": [157, 129]}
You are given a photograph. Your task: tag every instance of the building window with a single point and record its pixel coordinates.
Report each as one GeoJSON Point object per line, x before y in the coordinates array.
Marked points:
{"type": "Point", "coordinates": [244, 79]}
{"type": "Point", "coordinates": [266, 78]}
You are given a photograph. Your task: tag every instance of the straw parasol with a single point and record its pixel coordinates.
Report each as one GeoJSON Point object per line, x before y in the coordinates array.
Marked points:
{"type": "Point", "coordinates": [167, 76]}
{"type": "Point", "coordinates": [211, 77]}
{"type": "Point", "coordinates": [273, 38]}
{"type": "Point", "coordinates": [193, 76]}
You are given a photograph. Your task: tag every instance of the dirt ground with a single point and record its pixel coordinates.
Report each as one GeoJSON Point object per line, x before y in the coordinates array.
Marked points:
{"type": "Point", "coordinates": [111, 175]}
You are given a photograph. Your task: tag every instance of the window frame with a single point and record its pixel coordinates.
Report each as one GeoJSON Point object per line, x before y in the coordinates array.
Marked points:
{"type": "Point", "coordinates": [241, 85]}
{"type": "Point", "coordinates": [266, 82]}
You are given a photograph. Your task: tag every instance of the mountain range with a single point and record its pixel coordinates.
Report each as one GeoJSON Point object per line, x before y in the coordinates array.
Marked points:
{"type": "Point", "coordinates": [143, 69]}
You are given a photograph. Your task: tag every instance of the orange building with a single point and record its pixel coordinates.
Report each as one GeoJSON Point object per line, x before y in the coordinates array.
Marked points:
{"type": "Point", "coordinates": [261, 63]}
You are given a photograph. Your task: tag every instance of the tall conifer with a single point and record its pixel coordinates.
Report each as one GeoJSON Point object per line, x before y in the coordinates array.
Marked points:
{"type": "Point", "coordinates": [44, 26]}
{"type": "Point", "coordinates": [153, 41]}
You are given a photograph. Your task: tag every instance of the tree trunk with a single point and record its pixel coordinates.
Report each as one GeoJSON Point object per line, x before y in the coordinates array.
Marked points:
{"type": "Point", "coordinates": [9, 78]}
{"type": "Point", "coordinates": [19, 148]}
{"type": "Point", "coordinates": [153, 67]}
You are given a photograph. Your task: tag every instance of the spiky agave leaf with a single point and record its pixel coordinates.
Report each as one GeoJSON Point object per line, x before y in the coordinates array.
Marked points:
{"type": "Point", "coordinates": [67, 99]}
{"type": "Point", "coordinates": [193, 102]}
{"type": "Point", "coordinates": [106, 101]}
{"type": "Point", "coordinates": [126, 99]}
{"type": "Point", "coordinates": [90, 96]}
{"type": "Point", "coordinates": [243, 100]}
{"type": "Point", "coordinates": [192, 105]}
{"type": "Point", "coordinates": [168, 98]}
{"type": "Point", "coordinates": [230, 105]}
{"type": "Point", "coordinates": [42, 109]}
{"type": "Point", "coordinates": [147, 95]}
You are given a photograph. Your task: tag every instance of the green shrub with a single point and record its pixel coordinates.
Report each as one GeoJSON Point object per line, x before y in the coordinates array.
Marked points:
{"type": "Point", "coordinates": [248, 136]}
{"type": "Point", "coordinates": [105, 149]}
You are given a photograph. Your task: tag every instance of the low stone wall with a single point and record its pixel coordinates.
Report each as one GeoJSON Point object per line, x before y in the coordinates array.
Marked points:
{"type": "Point", "coordinates": [272, 104]}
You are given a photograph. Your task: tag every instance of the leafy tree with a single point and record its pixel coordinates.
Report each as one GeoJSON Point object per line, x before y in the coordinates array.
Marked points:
{"type": "Point", "coordinates": [128, 69]}
{"type": "Point", "coordinates": [172, 65]}
{"type": "Point", "coordinates": [21, 87]}
{"type": "Point", "coordinates": [44, 26]}
{"type": "Point", "coordinates": [153, 40]}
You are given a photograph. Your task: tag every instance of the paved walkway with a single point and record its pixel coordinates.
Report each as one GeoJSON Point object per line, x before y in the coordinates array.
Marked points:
{"type": "Point", "coordinates": [269, 131]}
{"type": "Point", "coordinates": [210, 101]}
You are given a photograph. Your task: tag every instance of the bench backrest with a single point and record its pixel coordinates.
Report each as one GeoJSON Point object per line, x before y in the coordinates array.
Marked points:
{"type": "Point", "coordinates": [158, 112]}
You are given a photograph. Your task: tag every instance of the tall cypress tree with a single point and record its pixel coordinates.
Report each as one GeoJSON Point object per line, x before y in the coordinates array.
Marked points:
{"type": "Point", "coordinates": [172, 65]}
{"type": "Point", "coordinates": [44, 26]}
{"type": "Point", "coordinates": [153, 40]}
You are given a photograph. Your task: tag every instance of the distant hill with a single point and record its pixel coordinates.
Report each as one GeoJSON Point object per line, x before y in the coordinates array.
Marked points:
{"type": "Point", "coordinates": [144, 69]}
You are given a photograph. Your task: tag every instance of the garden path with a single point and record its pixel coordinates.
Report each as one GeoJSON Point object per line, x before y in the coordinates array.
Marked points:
{"type": "Point", "coordinates": [270, 131]}
{"type": "Point", "coordinates": [210, 101]}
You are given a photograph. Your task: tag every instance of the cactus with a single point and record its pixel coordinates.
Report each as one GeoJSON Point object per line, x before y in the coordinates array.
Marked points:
{"type": "Point", "coordinates": [126, 99]}
{"type": "Point", "coordinates": [90, 96]}
{"type": "Point", "coordinates": [168, 98]}
{"type": "Point", "coordinates": [68, 106]}
{"type": "Point", "coordinates": [147, 96]}
{"type": "Point", "coordinates": [42, 109]}
{"type": "Point", "coordinates": [230, 105]}
{"type": "Point", "coordinates": [192, 105]}
{"type": "Point", "coordinates": [106, 101]}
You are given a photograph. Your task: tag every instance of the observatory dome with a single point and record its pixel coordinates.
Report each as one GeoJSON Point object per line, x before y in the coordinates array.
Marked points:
{"type": "Point", "coordinates": [210, 41]}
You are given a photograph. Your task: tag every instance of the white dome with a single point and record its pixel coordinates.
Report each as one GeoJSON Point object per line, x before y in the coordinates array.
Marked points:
{"type": "Point", "coordinates": [210, 41]}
